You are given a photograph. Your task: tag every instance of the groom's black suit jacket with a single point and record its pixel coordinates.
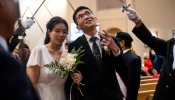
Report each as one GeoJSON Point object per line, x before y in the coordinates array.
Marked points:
{"type": "Point", "coordinates": [100, 83]}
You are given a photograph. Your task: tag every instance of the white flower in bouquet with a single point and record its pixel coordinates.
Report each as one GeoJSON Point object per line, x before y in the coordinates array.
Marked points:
{"type": "Point", "coordinates": [67, 64]}
{"type": "Point", "coordinates": [68, 61]}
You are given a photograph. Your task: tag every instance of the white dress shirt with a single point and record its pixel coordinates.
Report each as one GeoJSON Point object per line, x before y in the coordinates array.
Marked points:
{"type": "Point", "coordinates": [173, 57]}
{"type": "Point", "coordinates": [124, 51]}
{"type": "Point", "coordinates": [98, 43]}
{"type": "Point", "coordinates": [3, 43]}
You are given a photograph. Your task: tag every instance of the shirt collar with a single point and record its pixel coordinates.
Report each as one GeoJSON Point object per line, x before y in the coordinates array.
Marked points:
{"type": "Point", "coordinates": [124, 51]}
{"type": "Point", "coordinates": [88, 36]}
{"type": "Point", "coordinates": [3, 43]}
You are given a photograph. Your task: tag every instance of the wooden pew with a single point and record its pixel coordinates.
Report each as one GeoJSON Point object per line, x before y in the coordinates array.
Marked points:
{"type": "Point", "coordinates": [149, 81]}
{"type": "Point", "coordinates": [147, 89]}
{"type": "Point", "coordinates": [143, 95]}
{"type": "Point", "coordinates": [145, 77]}
{"type": "Point", "coordinates": [150, 97]}
{"type": "Point", "coordinates": [148, 86]}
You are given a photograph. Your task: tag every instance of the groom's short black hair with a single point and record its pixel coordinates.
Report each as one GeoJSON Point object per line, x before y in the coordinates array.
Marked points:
{"type": "Point", "coordinates": [77, 10]}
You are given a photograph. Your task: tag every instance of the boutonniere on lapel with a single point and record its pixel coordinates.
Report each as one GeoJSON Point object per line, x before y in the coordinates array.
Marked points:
{"type": "Point", "coordinates": [106, 49]}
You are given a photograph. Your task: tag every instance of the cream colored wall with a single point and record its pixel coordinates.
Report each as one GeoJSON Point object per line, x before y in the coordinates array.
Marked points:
{"type": "Point", "coordinates": [42, 17]}
{"type": "Point", "coordinates": [158, 15]}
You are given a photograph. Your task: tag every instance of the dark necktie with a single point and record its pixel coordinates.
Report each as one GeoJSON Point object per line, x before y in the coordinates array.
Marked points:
{"type": "Point", "coordinates": [96, 51]}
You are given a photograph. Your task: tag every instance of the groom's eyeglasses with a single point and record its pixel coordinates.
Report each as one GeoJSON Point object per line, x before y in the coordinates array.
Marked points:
{"type": "Point", "coordinates": [86, 13]}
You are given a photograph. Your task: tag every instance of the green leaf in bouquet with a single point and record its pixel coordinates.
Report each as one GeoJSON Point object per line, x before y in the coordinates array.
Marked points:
{"type": "Point", "coordinates": [53, 66]}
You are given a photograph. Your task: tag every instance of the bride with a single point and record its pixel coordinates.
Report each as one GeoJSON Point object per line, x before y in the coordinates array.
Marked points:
{"type": "Point", "coordinates": [48, 85]}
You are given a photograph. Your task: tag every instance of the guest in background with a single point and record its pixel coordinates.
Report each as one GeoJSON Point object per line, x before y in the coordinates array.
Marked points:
{"type": "Point", "coordinates": [144, 71]}
{"type": "Point", "coordinates": [134, 65]}
{"type": "Point", "coordinates": [147, 62]}
{"type": "Point", "coordinates": [15, 54]}
{"type": "Point", "coordinates": [26, 51]}
{"type": "Point", "coordinates": [154, 73]}
{"type": "Point", "coordinates": [157, 60]}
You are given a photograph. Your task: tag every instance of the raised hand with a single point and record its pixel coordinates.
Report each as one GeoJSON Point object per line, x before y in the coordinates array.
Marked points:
{"type": "Point", "coordinates": [109, 42]}
{"type": "Point", "coordinates": [27, 23]}
{"type": "Point", "coordinates": [132, 15]}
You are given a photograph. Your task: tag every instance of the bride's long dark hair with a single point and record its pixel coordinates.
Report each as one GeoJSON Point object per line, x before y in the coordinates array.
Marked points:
{"type": "Point", "coordinates": [50, 25]}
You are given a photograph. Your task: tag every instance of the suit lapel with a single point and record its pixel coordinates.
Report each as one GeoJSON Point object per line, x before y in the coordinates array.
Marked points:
{"type": "Point", "coordinates": [103, 53]}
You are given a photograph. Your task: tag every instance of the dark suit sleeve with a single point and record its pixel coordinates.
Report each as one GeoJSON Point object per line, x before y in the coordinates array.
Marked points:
{"type": "Point", "coordinates": [158, 45]}
{"type": "Point", "coordinates": [133, 79]}
{"type": "Point", "coordinates": [14, 85]}
{"type": "Point", "coordinates": [121, 64]}
{"type": "Point", "coordinates": [13, 40]}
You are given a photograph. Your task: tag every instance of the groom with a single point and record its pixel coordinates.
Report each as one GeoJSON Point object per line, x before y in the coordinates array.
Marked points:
{"type": "Point", "coordinates": [99, 68]}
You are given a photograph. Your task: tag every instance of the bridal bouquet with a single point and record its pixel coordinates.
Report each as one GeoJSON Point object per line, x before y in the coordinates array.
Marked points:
{"type": "Point", "coordinates": [67, 64]}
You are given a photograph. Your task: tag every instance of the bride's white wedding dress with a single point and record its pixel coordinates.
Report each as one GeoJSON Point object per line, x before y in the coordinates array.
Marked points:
{"type": "Point", "coordinates": [50, 85]}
